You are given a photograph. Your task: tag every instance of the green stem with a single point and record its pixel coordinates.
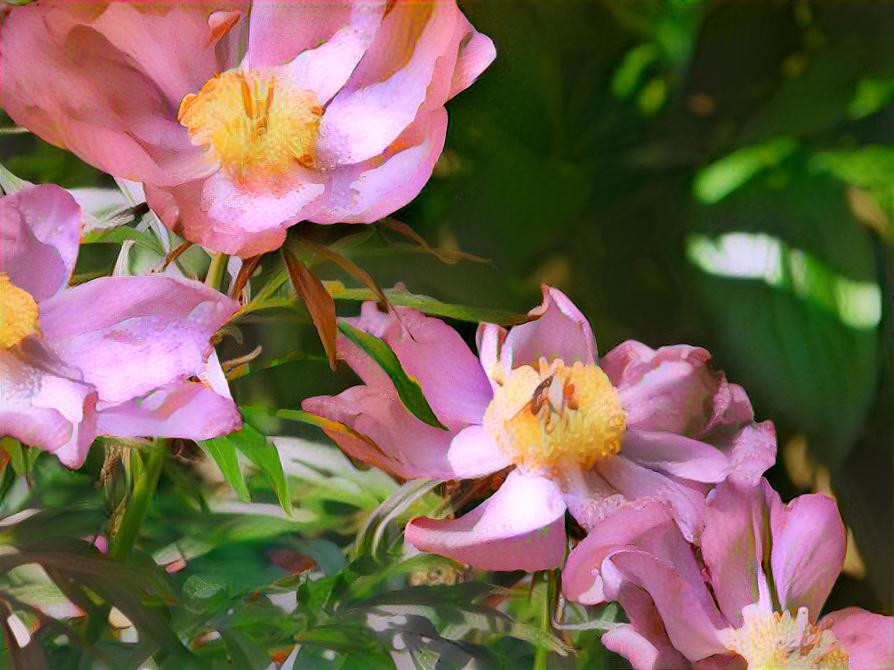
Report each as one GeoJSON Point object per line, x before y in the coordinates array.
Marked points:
{"type": "Point", "coordinates": [541, 655]}
{"type": "Point", "coordinates": [122, 542]}
{"type": "Point", "coordinates": [216, 271]}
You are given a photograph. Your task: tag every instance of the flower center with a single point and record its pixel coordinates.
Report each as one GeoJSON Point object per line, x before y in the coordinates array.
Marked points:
{"type": "Point", "coordinates": [254, 124]}
{"type": "Point", "coordinates": [773, 640]}
{"type": "Point", "coordinates": [556, 417]}
{"type": "Point", "coordinates": [19, 315]}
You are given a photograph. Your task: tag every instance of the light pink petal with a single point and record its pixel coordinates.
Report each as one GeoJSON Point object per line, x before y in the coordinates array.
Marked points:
{"type": "Point", "coordinates": [676, 455]}
{"type": "Point", "coordinates": [642, 653]}
{"type": "Point", "coordinates": [734, 542]}
{"type": "Point", "coordinates": [379, 102]}
{"type": "Point", "coordinates": [489, 339]}
{"type": "Point", "coordinates": [476, 54]}
{"type": "Point", "coordinates": [402, 444]}
{"type": "Point", "coordinates": [326, 68]}
{"type": "Point", "coordinates": [86, 95]}
{"type": "Point", "coordinates": [436, 355]}
{"type": "Point", "coordinates": [473, 454]}
{"type": "Point", "coordinates": [44, 404]}
{"type": "Point", "coordinates": [173, 47]}
{"type": "Point", "coordinates": [867, 638]}
{"type": "Point", "coordinates": [218, 215]}
{"type": "Point", "coordinates": [636, 482]}
{"type": "Point", "coordinates": [558, 331]}
{"type": "Point", "coordinates": [685, 606]}
{"type": "Point", "coordinates": [130, 335]}
{"type": "Point", "coordinates": [520, 527]}
{"type": "Point", "coordinates": [581, 581]}
{"type": "Point", "coordinates": [673, 389]}
{"type": "Point", "coordinates": [39, 238]}
{"type": "Point", "coordinates": [809, 541]}
{"type": "Point", "coordinates": [367, 192]}
{"type": "Point", "coordinates": [752, 452]}
{"type": "Point", "coordinates": [643, 642]}
{"type": "Point", "coordinates": [186, 410]}
{"type": "Point", "coordinates": [279, 31]}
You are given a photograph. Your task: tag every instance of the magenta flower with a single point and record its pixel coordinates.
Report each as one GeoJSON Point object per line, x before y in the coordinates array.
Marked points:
{"type": "Point", "coordinates": [335, 113]}
{"type": "Point", "coordinates": [112, 356]}
{"type": "Point", "coordinates": [749, 599]}
{"type": "Point", "coordinates": [579, 435]}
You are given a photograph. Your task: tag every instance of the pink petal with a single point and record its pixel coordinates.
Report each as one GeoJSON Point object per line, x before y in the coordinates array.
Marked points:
{"type": "Point", "coordinates": [475, 56]}
{"type": "Point", "coordinates": [403, 445]}
{"type": "Point", "coordinates": [559, 331]}
{"type": "Point", "coordinates": [473, 454]}
{"type": "Point", "coordinates": [186, 410]}
{"type": "Point", "coordinates": [369, 191]}
{"type": "Point", "coordinates": [639, 483]}
{"type": "Point", "coordinates": [88, 96]}
{"type": "Point", "coordinates": [39, 238]}
{"type": "Point", "coordinates": [326, 68]}
{"type": "Point", "coordinates": [674, 583]}
{"type": "Point", "coordinates": [44, 404]}
{"type": "Point", "coordinates": [867, 638]}
{"type": "Point", "coordinates": [808, 551]}
{"type": "Point", "coordinates": [734, 542]}
{"type": "Point", "coordinates": [676, 455]}
{"type": "Point", "coordinates": [110, 328]}
{"type": "Point", "coordinates": [581, 581]}
{"type": "Point", "coordinates": [218, 215]}
{"type": "Point", "coordinates": [642, 653]}
{"type": "Point", "coordinates": [279, 31]}
{"type": "Point", "coordinates": [489, 339]}
{"type": "Point", "coordinates": [386, 92]}
{"type": "Point", "coordinates": [520, 527]}
{"type": "Point", "coordinates": [643, 642]}
{"type": "Point", "coordinates": [752, 452]}
{"type": "Point", "coordinates": [435, 354]}
{"type": "Point", "coordinates": [174, 47]}
{"type": "Point", "coordinates": [672, 389]}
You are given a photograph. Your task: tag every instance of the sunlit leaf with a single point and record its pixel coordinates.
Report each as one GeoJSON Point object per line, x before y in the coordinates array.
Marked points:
{"type": "Point", "coordinates": [223, 452]}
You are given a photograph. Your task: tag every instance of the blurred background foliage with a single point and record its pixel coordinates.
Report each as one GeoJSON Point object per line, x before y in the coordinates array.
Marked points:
{"type": "Point", "coordinates": [715, 173]}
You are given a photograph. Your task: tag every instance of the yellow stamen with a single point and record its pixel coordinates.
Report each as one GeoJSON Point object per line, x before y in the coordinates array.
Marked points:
{"type": "Point", "coordinates": [254, 124]}
{"type": "Point", "coordinates": [773, 640]}
{"type": "Point", "coordinates": [556, 417]}
{"type": "Point", "coordinates": [19, 314]}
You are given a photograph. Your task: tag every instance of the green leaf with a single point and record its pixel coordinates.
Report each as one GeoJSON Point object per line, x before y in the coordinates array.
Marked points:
{"type": "Point", "coordinates": [408, 388]}
{"type": "Point", "coordinates": [224, 454]}
{"type": "Point", "coordinates": [251, 442]}
{"type": "Point", "coordinates": [122, 234]}
{"type": "Point", "coordinates": [431, 306]}
{"type": "Point", "coordinates": [21, 457]}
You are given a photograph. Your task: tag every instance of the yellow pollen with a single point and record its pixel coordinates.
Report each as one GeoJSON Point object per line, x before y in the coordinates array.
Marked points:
{"type": "Point", "coordinates": [773, 641]}
{"type": "Point", "coordinates": [556, 417]}
{"type": "Point", "coordinates": [254, 124]}
{"type": "Point", "coordinates": [19, 315]}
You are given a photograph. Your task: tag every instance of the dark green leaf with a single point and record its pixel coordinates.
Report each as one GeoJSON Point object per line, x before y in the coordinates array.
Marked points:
{"type": "Point", "coordinates": [408, 388]}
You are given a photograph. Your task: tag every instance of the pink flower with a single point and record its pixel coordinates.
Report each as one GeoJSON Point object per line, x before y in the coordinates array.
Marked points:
{"type": "Point", "coordinates": [639, 425]}
{"type": "Point", "coordinates": [334, 113]}
{"type": "Point", "coordinates": [112, 356]}
{"type": "Point", "coordinates": [750, 598]}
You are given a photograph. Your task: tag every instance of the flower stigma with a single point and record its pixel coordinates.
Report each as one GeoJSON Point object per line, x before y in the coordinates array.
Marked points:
{"type": "Point", "coordinates": [254, 124]}
{"type": "Point", "coordinates": [556, 417]}
{"type": "Point", "coordinates": [19, 314]}
{"type": "Point", "coordinates": [773, 640]}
